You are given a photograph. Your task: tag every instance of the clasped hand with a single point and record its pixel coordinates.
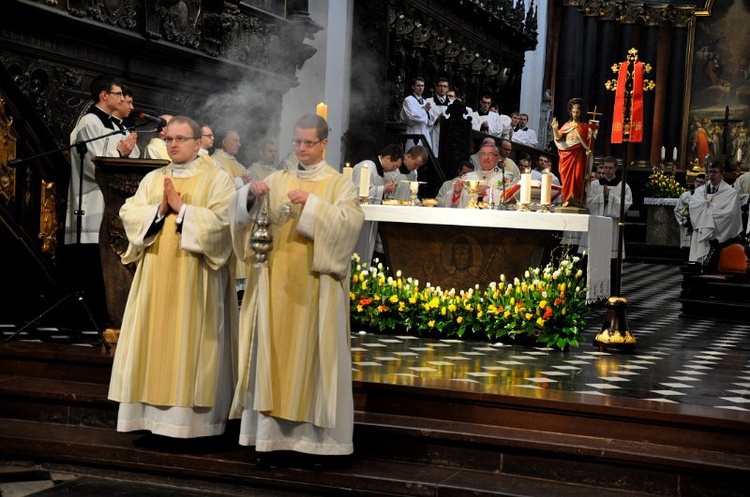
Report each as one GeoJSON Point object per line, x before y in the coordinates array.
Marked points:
{"type": "Point", "coordinates": [171, 200]}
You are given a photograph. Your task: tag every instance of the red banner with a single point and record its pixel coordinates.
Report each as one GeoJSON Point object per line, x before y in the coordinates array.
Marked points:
{"type": "Point", "coordinates": [636, 115]}
{"type": "Point", "coordinates": [619, 114]}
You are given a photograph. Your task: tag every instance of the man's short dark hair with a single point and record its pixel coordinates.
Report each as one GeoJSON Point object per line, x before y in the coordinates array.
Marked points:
{"type": "Point", "coordinates": [417, 151]}
{"type": "Point", "coordinates": [465, 163]}
{"type": "Point", "coordinates": [611, 159]}
{"type": "Point", "coordinates": [127, 92]}
{"type": "Point", "coordinates": [314, 121]}
{"type": "Point", "coordinates": [393, 151]}
{"type": "Point", "coordinates": [442, 80]}
{"type": "Point", "coordinates": [716, 165]}
{"type": "Point", "coordinates": [701, 176]}
{"type": "Point", "coordinates": [103, 82]}
{"type": "Point", "coordinates": [418, 78]}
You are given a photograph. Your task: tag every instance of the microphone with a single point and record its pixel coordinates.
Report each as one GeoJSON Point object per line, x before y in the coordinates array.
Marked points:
{"type": "Point", "coordinates": [154, 119]}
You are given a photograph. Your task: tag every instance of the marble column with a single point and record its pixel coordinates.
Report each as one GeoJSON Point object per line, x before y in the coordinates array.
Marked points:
{"type": "Point", "coordinates": [676, 86]}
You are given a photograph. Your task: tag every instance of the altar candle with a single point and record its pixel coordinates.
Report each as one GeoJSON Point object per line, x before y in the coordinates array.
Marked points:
{"type": "Point", "coordinates": [347, 172]}
{"type": "Point", "coordinates": [546, 189]}
{"type": "Point", "coordinates": [322, 110]}
{"type": "Point", "coordinates": [674, 154]}
{"type": "Point", "coordinates": [739, 156]}
{"type": "Point", "coordinates": [663, 152]}
{"type": "Point", "coordinates": [526, 188]}
{"type": "Point", "coordinates": [364, 182]}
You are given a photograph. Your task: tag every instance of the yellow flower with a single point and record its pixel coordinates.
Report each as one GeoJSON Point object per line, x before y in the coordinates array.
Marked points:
{"type": "Point", "coordinates": [564, 311]}
{"type": "Point", "coordinates": [394, 298]}
{"type": "Point", "coordinates": [434, 303]}
{"type": "Point", "coordinates": [352, 296]}
{"type": "Point", "coordinates": [359, 308]}
{"type": "Point", "coordinates": [542, 304]}
{"type": "Point", "coordinates": [540, 322]}
{"type": "Point", "coordinates": [443, 311]}
{"type": "Point", "coordinates": [459, 319]}
{"type": "Point", "coordinates": [412, 300]}
{"type": "Point", "coordinates": [506, 314]}
{"type": "Point", "coordinates": [431, 323]}
{"type": "Point", "coordinates": [452, 307]}
{"type": "Point", "coordinates": [528, 316]}
{"type": "Point", "coordinates": [480, 314]}
{"type": "Point", "coordinates": [364, 285]}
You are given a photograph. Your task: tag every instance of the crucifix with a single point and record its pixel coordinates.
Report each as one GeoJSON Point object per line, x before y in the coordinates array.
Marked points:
{"type": "Point", "coordinates": [725, 132]}
{"type": "Point", "coordinates": [594, 114]}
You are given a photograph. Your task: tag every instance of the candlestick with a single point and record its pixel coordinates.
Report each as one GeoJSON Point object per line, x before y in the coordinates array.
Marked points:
{"type": "Point", "coordinates": [663, 153]}
{"type": "Point", "coordinates": [526, 188]}
{"type": "Point", "coordinates": [364, 183]}
{"type": "Point", "coordinates": [674, 154]}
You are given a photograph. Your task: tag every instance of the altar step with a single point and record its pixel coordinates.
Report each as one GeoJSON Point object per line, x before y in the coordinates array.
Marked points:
{"type": "Point", "coordinates": [715, 296]}
{"type": "Point", "coordinates": [409, 441]}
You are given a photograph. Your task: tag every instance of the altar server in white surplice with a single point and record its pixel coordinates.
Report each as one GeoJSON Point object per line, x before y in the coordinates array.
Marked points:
{"type": "Point", "coordinates": [383, 174]}
{"type": "Point", "coordinates": [295, 389]}
{"type": "Point", "coordinates": [173, 370]}
{"type": "Point", "coordinates": [714, 213]}
{"type": "Point", "coordinates": [605, 197]}
{"type": "Point", "coordinates": [416, 113]}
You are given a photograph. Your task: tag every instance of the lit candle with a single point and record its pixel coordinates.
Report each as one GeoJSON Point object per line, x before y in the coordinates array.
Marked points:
{"type": "Point", "coordinates": [322, 110]}
{"type": "Point", "coordinates": [546, 189]}
{"type": "Point", "coordinates": [364, 182]}
{"type": "Point", "coordinates": [739, 156]}
{"type": "Point", "coordinates": [347, 172]}
{"type": "Point", "coordinates": [663, 152]}
{"type": "Point", "coordinates": [674, 154]}
{"type": "Point", "coordinates": [526, 188]}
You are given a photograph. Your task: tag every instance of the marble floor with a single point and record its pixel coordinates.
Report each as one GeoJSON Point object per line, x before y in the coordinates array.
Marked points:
{"type": "Point", "coordinates": [703, 362]}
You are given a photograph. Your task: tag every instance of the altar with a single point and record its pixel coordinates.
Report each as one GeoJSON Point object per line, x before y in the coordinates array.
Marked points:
{"type": "Point", "coordinates": [459, 248]}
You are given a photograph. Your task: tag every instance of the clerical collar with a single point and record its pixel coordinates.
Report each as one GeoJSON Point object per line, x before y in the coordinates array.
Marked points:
{"type": "Point", "coordinates": [609, 182]}
{"type": "Point", "coordinates": [518, 128]}
{"type": "Point", "coordinates": [483, 112]}
{"type": "Point", "coordinates": [104, 117]}
{"type": "Point", "coordinates": [442, 102]}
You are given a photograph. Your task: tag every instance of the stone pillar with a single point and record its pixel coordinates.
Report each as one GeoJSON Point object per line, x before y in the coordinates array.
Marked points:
{"type": "Point", "coordinates": [676, 88]}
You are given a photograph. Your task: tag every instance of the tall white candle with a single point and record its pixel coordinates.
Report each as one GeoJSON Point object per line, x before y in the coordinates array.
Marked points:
{"type": "Point", "coordinates": [663, 152]}
{"type": "Point", "coordinates": [546, 189]}
{"type": "Point", "coordinates": [364, 182]}
{"type": "Point", "coordinates": [674, 154]}
{"type": "Point", "coordinates": [347, 172]}
{"type": "Point", "coordinates": [526, 188]}
{"type": "Point", "coordinates": [739, 155]}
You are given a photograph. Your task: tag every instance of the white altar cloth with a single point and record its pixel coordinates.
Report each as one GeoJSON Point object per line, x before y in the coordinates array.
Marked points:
{"type": "Point", "coordinates": [599, 229]}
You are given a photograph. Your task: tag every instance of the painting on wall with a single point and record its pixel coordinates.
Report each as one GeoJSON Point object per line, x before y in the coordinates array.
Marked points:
{"type": "Point", "coordinates": [721, 80]}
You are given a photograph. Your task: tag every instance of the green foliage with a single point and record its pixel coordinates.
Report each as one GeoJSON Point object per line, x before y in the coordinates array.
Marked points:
{"type": "Point", "coordinates": [548, 304]}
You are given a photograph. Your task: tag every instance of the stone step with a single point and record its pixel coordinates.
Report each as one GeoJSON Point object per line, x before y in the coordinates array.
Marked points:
{"type": "Point", "coordinates": [220, 460]}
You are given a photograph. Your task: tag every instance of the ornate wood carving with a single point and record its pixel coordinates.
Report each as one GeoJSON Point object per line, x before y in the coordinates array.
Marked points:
{"type": "Point", "coordinates": [7, 153]}
{"type": "Point", "coordinates": [48, 217]}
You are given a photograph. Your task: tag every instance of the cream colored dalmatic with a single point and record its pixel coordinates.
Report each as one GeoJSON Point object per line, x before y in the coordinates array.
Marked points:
{"type": "Point", "coordinates": [173, 369]}
{"type": "Point", "coordinates": [294, 390]}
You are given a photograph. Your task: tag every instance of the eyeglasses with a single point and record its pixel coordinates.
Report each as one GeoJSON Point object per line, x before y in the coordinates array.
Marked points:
{"type": "Point", "coordinates": [210, 135]}
{"type": "Point", "coordinates": [305, 143]}
{"type": "Point", "coordinates": [117, 93]}
{"type": "Point", "coordinates": [487, 155]}
{"type": "Point", "coordinates": [179, 139]}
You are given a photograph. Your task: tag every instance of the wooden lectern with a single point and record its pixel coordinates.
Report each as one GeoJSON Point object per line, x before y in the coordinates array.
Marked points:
{"type": "Point", "coordinates": [118, 179]}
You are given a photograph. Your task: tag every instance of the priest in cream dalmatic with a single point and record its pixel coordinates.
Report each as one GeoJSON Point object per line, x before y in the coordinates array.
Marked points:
{"type": "Point", "coordinates": [173, 371]}
{"type": "Point", "coordinates": [295, 387]}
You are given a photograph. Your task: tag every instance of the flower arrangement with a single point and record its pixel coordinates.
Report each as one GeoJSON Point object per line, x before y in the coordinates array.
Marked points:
{"type": "Point", "coordinates": [546, 304]}
{"type": "Point", "coordinates": [662, 185]}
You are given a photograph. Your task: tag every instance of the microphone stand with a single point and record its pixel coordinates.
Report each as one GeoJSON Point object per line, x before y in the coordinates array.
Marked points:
{"type": "Point", "coordinates": [82, 148]}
